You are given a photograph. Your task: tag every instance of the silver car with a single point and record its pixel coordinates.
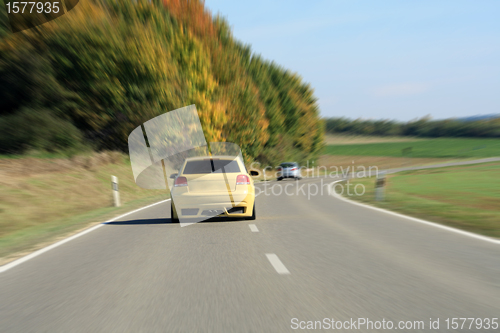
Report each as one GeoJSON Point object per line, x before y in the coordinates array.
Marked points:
{"type": "Point", "coordinates": [289, 170]}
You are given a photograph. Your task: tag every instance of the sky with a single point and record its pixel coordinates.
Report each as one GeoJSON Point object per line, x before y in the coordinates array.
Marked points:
{"type": "Point", "coordinates": [380, 59]}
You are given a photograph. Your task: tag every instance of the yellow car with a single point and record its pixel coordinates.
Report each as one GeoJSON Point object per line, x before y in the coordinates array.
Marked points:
{"type": "Point", "coordinates": [212, 186]}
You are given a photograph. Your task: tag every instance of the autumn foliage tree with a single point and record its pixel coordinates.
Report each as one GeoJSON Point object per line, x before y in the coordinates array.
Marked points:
{"type": "Point", "coordinates": [110, 65]}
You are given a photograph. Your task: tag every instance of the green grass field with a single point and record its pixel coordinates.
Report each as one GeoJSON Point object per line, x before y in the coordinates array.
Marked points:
{"type": "Point", "coordinates": [431, 148]}
{"type": "Point", "coordinates": [465, 197]}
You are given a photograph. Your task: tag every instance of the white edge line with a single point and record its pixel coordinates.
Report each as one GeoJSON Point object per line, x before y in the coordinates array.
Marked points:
{"type": "Point", "coordinates": [253, 227]}
{"type": "Point", "coordinates": [19, 261]}
{"type": "Point", "coordinates": [414, 219]}
{"type": "Point", "coordinates": [277, 264]}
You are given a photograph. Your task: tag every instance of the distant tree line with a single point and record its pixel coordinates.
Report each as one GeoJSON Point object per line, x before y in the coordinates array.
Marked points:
{"type": "Point", "coordinates": [425, 127]}
{"type": "Point", "coordinates": [91, 76]}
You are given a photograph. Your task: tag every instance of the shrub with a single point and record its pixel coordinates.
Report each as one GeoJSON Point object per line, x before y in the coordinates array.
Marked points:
{"type": "Point", "coordinates": [37, 130]}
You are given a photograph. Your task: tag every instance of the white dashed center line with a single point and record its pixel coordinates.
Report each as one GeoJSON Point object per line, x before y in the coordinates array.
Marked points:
{"type": "Point", "coordinates": [277, 264]}
{"type": "Point", "coordinates": [253, 227]}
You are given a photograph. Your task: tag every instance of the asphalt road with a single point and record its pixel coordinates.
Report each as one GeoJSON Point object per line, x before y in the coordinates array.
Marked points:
{"type": "Point", "coordinates": [312, 258]}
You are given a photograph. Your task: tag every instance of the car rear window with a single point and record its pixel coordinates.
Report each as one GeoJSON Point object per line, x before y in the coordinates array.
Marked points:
{"type": "Point", "coordinates": [196, 167]}
{"type": "Point", "coordinates": [228, 166]}
{"type": "Point", "coordinates": [205, 166]}
{"type": "Point", "coordinates": [287, 165]}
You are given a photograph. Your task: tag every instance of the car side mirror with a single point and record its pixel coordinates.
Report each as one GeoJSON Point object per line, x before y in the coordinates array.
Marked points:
{"type": "Point", "coordinates": [172, 176]}
{"type": "Point", "coordinates": [254, 173]}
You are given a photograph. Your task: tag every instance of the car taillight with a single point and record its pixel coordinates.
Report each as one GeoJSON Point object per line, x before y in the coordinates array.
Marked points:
{"type": "Point", "coordinates": [293, 169]}
{"type": "Point", "coordinates": [242, 180]}
{"type": "Point", "coordinates": [180, 181]}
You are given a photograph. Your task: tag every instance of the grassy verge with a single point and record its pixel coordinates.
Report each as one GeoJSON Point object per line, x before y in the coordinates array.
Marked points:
{"type": "Point", "coordinates": [37, 208]}
{"type": "Point", "coordinates": [430, 148]}
{"type": "Point", "coordinates": [380, 162]}
{"type": "Point", "coordinates": [27, 240]}
{"type": "Point", "coordinates": [464, 197]}
{"type": "Point", "coordinates": [346, 139]}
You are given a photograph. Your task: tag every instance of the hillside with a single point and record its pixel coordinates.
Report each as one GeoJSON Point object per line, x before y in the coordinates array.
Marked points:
{"type": "Point", "coordinates": [85, 80]}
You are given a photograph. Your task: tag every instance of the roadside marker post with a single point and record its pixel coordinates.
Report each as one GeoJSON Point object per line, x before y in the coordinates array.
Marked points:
{"type": "Point", "coordinates": [116, 193]}
{"type": "Point", "coordinates": [379, 188]}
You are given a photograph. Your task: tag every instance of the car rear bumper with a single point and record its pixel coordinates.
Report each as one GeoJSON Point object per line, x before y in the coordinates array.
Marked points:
{"type": "Point", "coordinates": [212, 210]}
{"type": "Point", "coordinates": [195, 206]}
{"type": "Point", "coordinates": [290, 174]}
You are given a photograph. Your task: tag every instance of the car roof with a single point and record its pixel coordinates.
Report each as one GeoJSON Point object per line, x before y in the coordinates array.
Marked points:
{"type": "Point", "coordinates": [220, 157]}
{"type": "Point", "coordinates": [289, 163]}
